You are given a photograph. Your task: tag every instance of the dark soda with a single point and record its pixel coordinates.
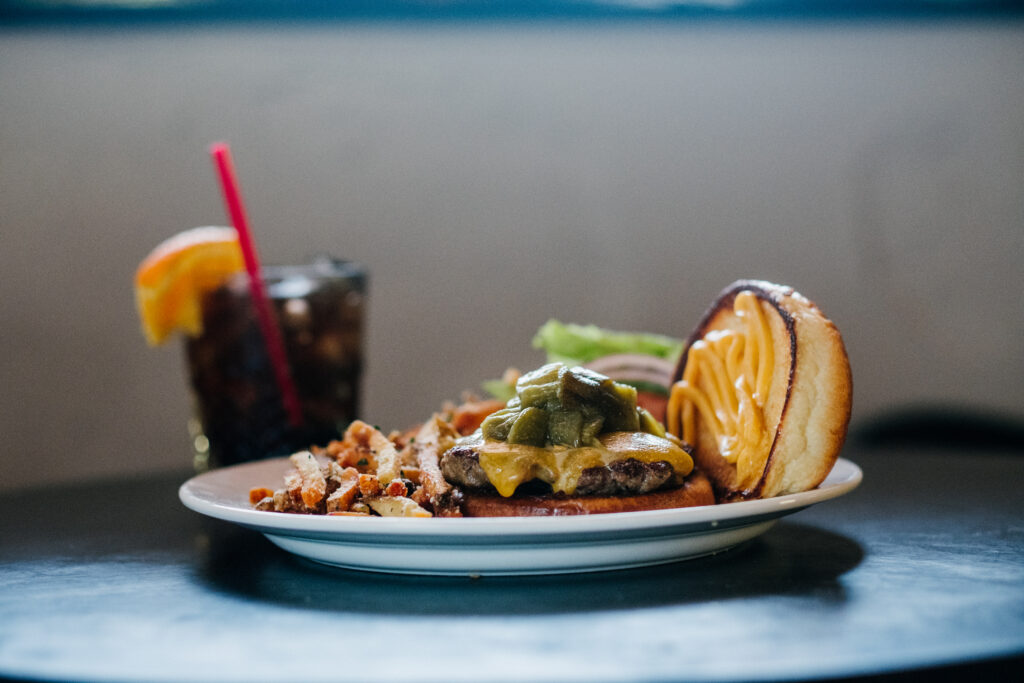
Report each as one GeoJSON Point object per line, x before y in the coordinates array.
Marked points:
{"type": "Point", "coordinates": [238, 413]}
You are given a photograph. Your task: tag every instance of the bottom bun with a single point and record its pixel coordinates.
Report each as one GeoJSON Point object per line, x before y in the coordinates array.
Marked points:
{"type": "Point", "coordinates": [695, 491]}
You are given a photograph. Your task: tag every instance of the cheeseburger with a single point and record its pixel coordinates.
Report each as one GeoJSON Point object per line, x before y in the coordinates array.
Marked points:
{"type": "Point", "coordinates": [571, 441]}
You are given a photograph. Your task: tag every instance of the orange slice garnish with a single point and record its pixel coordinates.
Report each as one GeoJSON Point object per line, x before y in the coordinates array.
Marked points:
{"type": "Point", "coordinates": [171, 281]}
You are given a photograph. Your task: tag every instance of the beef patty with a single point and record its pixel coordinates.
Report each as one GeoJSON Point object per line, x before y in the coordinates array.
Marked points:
{"type": "Point", "coordinates": [461, 465]}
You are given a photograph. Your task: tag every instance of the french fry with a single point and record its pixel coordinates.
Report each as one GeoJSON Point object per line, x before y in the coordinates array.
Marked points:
{"type": "Point", "coordinates": [283, 501]}
{"type": "Point", "coordinates": [411, 473]}
{"type": "Point", "coordinates": [258, 494]}
{"type": "Point", "coordinates": [312, 482]}
{"type": "Point", "coordinates": [433, 439]}
{"type": "Point", "coordinates": [369, 473]}
{"type": "Point", "coordinates": [396, 506]}
{"type": "Point", "coordinates": [354, 449]}
{"type": "Point", "coordinates": [341, 499]}
{"type": "Point", "coordinates": [396, 488]}
{"type": "Point", "coordinates": [369, 485]}
{"type": "Point", "coordinates": [265, 504]}
{"type": "Point", "coordinates": [293, 491]}
{"type": "Point", "coordinates": [419, 496]}
{"type": "Point", "coordinates": [388, 466]}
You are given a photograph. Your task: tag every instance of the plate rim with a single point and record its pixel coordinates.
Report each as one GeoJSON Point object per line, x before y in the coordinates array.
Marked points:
{"type": "Point", "coordinates": [194, 493]}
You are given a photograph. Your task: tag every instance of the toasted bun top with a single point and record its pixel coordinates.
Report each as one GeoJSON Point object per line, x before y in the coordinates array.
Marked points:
{"type": "Point", "coordinates": [762, 392]}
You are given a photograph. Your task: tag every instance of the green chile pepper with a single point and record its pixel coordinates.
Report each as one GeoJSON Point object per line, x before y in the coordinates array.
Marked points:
{"type": "Point", "coordinates": [559, 405]}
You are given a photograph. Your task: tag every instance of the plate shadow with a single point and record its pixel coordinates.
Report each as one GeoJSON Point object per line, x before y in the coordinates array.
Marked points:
{"type": "Point", "coordinates": [791, 559]}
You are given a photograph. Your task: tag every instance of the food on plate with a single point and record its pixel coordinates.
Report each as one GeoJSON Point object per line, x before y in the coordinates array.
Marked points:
{"type": "Point", "coordinates": [362, 473]}
{"type": "Point", "coordinates": [571, 441]}
{"type": "Point", "coordinates": [369, 473]}
{"type": "Point", "coordinates": [762, 392]}
{"type": "Point", "coordinates": [758, 406]}
{"type": "Point", "coordinates": [575, 344]}
{"type": "Point", "coordinates": [642, 360]}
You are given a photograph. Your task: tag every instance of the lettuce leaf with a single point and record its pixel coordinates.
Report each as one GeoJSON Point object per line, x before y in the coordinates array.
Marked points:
{"type": "Point", "coordinates": [499, 389]}
{"type": "Point", "coordinates": [575, 344]}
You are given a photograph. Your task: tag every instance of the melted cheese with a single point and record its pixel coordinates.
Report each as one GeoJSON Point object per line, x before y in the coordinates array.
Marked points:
{"type": "Point", "coordinates": [509, 465]}
{"type": "Point", "coordinates": [726, 383]}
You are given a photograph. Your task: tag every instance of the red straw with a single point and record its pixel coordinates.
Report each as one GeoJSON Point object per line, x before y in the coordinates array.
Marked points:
{"type": "Point", "coordinates": [271, 334]}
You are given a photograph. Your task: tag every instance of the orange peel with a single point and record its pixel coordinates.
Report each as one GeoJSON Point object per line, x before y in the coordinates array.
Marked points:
{"type": "Point", "coordinates": [171, 281]}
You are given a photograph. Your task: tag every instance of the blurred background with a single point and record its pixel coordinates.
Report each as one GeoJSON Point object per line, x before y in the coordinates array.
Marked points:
{"type": "Point", "coordinates": [499, 164]}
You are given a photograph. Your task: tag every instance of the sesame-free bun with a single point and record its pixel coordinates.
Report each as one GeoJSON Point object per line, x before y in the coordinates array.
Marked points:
{"type": "Point", "coordinates": [806, 408]}
{"type": "Point", "coordinates": [696, 490]}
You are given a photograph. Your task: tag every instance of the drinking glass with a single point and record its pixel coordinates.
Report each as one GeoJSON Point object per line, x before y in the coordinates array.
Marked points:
{"type": "Point", "coordinates": [238, 413]}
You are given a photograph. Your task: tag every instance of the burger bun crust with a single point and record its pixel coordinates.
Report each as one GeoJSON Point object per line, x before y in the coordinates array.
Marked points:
{"type": "Point", "coordinates": [809, 400]}
{"type": "Point", "coordinates": [696, 490]}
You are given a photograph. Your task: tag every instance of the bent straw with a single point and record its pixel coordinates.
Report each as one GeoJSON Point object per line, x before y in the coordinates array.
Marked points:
{"type": "Point", "coordinates": [271, 333]}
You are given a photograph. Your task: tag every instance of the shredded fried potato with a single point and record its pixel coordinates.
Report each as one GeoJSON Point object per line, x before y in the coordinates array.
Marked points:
{"type": "Point", "coordinates": [366, 473]}
{"type": "Point", "coordinates": [396, 506]}
{"type": "Point", "coordinates": [311, 481]}
{"type": "Point", "coordinates": [347, 480]}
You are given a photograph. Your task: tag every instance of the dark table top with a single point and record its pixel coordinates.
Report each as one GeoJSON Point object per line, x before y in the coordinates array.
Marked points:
{"type": "Point", "coordinates": [921, 567]}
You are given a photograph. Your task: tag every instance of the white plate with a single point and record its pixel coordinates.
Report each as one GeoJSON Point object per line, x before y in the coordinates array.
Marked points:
{"type": "Point", "coordinates": [498, 545]}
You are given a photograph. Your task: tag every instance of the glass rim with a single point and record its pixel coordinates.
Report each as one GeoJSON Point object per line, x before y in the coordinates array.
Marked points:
{"type": "Point", "coordinates": [319, 267]}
